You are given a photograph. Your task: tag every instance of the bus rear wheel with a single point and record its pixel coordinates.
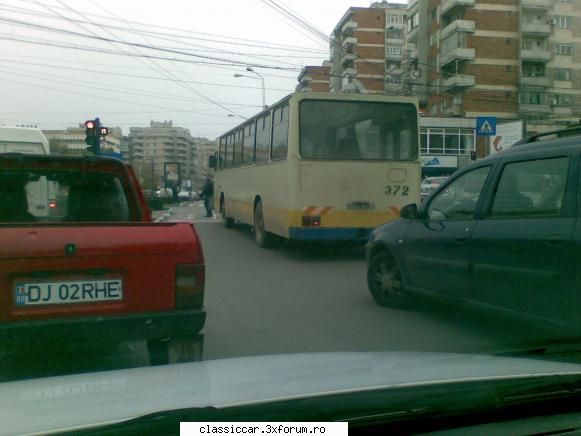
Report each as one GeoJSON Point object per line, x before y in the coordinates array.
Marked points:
{"type": "Point", "coordinates": [228, 222]}
{"type": "Point", "coordinates": [263, 238]}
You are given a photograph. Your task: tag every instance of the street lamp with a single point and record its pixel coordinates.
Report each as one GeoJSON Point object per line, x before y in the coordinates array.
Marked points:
{"type": "Point", "coordinates": [262, 81]}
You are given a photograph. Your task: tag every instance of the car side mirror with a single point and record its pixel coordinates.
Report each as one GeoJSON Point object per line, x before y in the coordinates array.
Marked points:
{"type": "Point", "coordinates": [212, 162]}
{"type": "Point", "coordinates": [409, 212]}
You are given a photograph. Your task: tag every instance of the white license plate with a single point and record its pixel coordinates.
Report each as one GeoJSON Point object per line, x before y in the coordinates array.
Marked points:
{"type": "Point", "coordinates": [81, 291]}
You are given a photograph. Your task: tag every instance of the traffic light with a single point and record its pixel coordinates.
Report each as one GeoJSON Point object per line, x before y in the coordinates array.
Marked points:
{"type": "Point", "coordinates": [91, 135]}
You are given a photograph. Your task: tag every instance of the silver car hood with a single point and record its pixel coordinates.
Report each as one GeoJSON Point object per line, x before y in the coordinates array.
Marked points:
{"type": "Point", "coordinates": [85, 400]}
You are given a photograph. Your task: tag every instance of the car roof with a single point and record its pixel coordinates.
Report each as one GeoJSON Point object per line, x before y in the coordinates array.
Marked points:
{"type": "Point", "coordinates": [42, 158]}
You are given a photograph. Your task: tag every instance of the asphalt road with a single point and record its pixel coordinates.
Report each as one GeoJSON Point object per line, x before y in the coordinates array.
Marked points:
{"type": "Point", "coordinates": [310, 299]}
{"type": "Point", "coordinates": [294, 299]}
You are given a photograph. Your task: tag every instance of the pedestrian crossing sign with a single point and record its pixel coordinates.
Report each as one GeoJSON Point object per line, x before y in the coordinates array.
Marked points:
{"type": "Point", "coordinates": [486, 126]}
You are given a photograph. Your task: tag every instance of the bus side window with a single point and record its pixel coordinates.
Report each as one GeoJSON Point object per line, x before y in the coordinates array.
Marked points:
{"type": "Point", "coordinates": [222, 154]}
{"type": "Point", "coordinates": [263, 138]}
{"type": "Point", "coordinates": [228, 152]}
{"type": "Point", "coordinates": [280, 133]}
{"type": "Point", "coordinates": [248, 150]}
{"type": "Point", "coordinates": [238, 153]}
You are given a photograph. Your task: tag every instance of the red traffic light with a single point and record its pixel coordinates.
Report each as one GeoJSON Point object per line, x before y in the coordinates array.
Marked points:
{"type": "Point", "coordinates": [104, 131]}
{"type": "Point", "coordinates": [90, 124]}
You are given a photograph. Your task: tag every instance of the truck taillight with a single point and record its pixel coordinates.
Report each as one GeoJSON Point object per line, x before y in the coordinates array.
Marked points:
{"type": "Point", "coordinates": [190, 280]}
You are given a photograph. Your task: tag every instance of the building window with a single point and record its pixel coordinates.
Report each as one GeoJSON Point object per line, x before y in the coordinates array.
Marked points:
{"type": "Point", "coordinates": [394, 33]}
{"type": "Point", "coordinates": [532, 44]}
{"type": "Point", "coordinates": [395, 50]}
{"type": "Point", "coordinates": [562, 74]}
{"type": "Point", "coordinates": [393, 79]}
{"type": "Point", "coordinates": [454, 41]}
{"type": "Point", "coordinates": [528, 97]}
{"type": "Point", "coordinates": [564, 49]}
{"type": "Point", "coordinates": [395, 19]}
{"type": "Point", "coordinates": [447, 141]}
{"type": "Point", "coordinates": [562, 21]}
{"type": "Point", "coordinates": [561, 100]}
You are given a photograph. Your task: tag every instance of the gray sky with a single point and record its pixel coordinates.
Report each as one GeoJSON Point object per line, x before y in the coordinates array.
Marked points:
{"type": "Point", "coordinates": [56, 87]}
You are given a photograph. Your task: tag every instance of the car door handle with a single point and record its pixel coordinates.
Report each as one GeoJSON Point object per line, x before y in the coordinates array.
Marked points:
{"type": "Point", "coordinates": [461, 240]}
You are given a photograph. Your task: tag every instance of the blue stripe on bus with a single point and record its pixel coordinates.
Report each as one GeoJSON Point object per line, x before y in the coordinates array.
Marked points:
{"type": "Point", "coordinates": [329, 234]}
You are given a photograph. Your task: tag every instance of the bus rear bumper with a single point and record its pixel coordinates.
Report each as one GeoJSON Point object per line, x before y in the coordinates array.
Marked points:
{"type": "Point", "coordinates": [360, 234]}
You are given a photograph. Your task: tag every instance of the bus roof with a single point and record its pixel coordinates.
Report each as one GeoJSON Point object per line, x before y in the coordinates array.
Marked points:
{"type": "Point", "coordinates": [303, 95]}
{"type": "Point", "coordinates": [26, 135]}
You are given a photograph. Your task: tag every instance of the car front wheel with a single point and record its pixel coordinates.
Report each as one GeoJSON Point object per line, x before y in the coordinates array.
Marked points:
{"type": "Point", "coordinates": [385, 283]}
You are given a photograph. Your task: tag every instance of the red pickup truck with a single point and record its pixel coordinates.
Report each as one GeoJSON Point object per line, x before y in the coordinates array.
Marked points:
{"type": "Point", "coordinates": [82, 263]}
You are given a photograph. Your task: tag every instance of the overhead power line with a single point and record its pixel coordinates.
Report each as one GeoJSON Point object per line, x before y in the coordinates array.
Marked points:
{"type": "Point", "coordinates": [139, 76]}
{"type": "Point", "coordinates": [38, 41]}
{"type": "Point", "coordinates": [181, 32]}
{"type": "Point", "coordinates": [138, 45]}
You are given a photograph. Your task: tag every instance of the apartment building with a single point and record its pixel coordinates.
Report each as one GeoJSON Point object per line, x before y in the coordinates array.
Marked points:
{"type": "Point", "coordinates": [550, 79]}
{"type": "Point", "coordinates": [151, 147]}
{"type": "Point", "coordinates": [505, 58]}
{"type": "Point", "coordinates": [357, 51]}
{"type": "Point", "coordinates": [314, 78]}
{"type": "Point", "coordinates": [204, 149]}
{"type": "Point", "coordinates": [72, 140]}
{"type": "Point", "coordinates": [473, 58]}
{"type": "Point", "coordinates": [416, 53]}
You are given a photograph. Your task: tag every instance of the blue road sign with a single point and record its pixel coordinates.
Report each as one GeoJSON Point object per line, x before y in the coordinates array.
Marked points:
{"type": "Point", "coordinates": [486, 126]}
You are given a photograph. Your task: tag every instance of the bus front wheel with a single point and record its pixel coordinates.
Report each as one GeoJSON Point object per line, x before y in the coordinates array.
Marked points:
{"type": "Point", "coordinates": [263, 238]}
{"type": "Point", "coordinates": [228, 222]}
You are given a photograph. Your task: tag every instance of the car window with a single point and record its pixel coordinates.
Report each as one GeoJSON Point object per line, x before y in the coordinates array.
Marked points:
{"type": "Point", "coordinates": [56, 196]}
{"type": "Point", "coordinates": [531, 188]}
{"type": "Point", "coordinates": [459, 199]}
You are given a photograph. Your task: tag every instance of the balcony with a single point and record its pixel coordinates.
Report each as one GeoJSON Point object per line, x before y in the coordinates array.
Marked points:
{"type": "Point", "coordinates": [535, 108]}
{"type": "Point", "coordinates": [394, 55]}
{"type": "Point", "coordinates": [458, 26]}
{"type": "Point", "coordinates": [349, 41]}
{"type": "Point", "coordinates": [539, 55]}
{"type": "Point", "coordinates": [459, 54]}
{"type": "Point", "coordinates": [413, 34]}
{"type": "Point", "coordinates": [537, 29]}
{"type": "Point", "coordinates": [455, 6]}
{"type": "Point", "coordinates": [458, 82]}
{"type": "Point", "coordinates": [348, 58]}
{"type": "Point", "coordinates": [348, 27]}
{"type": "Point", "coordinates": [535, 81]}
{"type": "Point", "coordinates": [454, 110]}
{"type": "Point", "coordinates": [537, 4]}
{"type": "Point", "coordinates": [352, 71]}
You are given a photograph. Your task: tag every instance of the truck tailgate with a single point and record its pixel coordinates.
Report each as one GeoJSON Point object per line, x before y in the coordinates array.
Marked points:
{"type": "Point", "coordinates": [92, 269]}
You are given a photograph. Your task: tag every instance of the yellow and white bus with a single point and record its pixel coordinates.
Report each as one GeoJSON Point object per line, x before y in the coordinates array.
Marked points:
{"type": "Point", "coordinates": [320, 166]}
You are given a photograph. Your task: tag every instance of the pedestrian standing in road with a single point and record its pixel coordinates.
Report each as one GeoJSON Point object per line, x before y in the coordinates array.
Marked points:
{"type": "Point", "coordinates": [208, 196]}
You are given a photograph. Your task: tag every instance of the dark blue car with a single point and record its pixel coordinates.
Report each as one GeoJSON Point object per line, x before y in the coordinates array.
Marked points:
{"type": "Point", "coordinates": [504, 232]}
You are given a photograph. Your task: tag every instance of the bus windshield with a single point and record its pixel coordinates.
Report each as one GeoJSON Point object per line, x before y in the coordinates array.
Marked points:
{"type": "Point", "coordinates": [356, 130]}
